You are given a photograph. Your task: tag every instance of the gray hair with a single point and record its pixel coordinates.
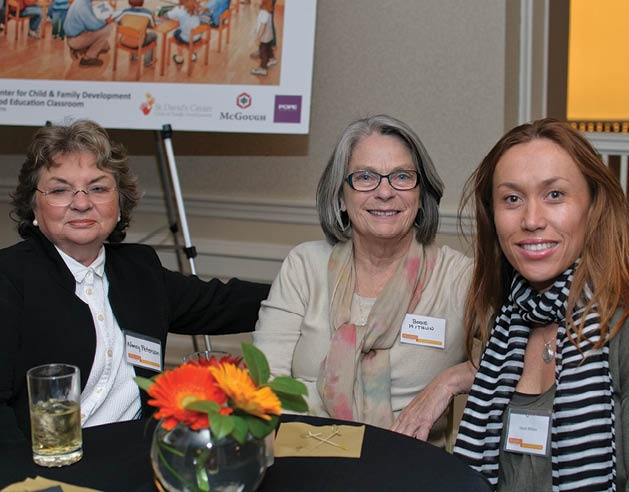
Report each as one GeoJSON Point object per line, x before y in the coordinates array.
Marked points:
{"type": "Point", "coordinates": [334, 222]}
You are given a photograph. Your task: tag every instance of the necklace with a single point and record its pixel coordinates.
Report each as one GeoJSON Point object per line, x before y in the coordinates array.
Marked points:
{"type": "Point", "coordinates": [548, 353]}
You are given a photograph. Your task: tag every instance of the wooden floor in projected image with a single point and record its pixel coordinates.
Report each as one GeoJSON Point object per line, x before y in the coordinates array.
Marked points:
{"type": "Point", "coordinates": [50, 59]}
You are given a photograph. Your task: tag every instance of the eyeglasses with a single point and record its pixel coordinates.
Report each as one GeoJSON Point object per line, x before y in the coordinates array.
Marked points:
{"type": "Point", "coordinates": [370, 180]}
{"type": "Point", "coordinates": [62, 196]}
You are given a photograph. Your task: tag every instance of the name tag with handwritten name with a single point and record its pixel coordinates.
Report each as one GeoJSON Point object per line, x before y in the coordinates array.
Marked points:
{"type": "Point", "coordinates": [528, 432]}
{"type": "Point", "coordinates": [143, 351]}
{"type": "Point", "coordinates": [424, 330]}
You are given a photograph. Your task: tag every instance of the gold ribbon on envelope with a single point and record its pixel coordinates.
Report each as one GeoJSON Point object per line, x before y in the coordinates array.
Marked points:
{"type": "Point", "coordinates": [300, 439]}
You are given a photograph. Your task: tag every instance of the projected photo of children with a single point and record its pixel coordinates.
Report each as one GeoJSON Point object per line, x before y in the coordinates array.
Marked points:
{"type": "Point", "coordinates": [172, 41]}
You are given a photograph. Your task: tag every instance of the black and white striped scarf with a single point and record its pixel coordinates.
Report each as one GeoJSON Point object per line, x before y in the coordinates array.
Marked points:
{"type": "Point", "coordinates": [582, 439]}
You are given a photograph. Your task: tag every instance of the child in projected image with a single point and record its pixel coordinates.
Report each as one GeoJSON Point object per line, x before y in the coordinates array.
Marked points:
{"type": "Point", "coordinates": [59, 11]}
{"type": "Point", "coordinates": [28, 8]}
{"type": "Point", "coordinates": [187, 13]}
{"type": "Point", "coordinates": [255, 55]}
{"type": "Point", "coordinates": [141, 18]}
{"type": "Point", "coordinates": [264, 37]}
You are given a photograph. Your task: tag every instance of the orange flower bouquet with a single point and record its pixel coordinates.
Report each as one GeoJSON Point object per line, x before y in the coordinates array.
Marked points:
{"type": "Point", "coordinates": [226, 396]}
{"type": "Point", "coordinates": [213, 417]}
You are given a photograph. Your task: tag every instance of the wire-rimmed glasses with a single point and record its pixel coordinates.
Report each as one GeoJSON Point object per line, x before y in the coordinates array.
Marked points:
{"type": "Point", "coordinates": [62, 196]}
{"type": "Point", "coordinates": [403, 180]}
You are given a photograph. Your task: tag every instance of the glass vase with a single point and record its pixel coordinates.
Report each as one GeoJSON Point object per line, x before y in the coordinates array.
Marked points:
{"type": "Point", "coordinates": [185, 460]}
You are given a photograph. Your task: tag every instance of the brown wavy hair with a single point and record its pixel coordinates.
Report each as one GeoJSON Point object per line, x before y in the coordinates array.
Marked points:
{"type": "Point", "coordinates": [50, 142]}
{"type": "Point", "coordinates": [604, 264]}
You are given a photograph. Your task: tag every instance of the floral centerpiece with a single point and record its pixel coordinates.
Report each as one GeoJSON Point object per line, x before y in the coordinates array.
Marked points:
{"type": "Point", "coordinates": [225, 406]}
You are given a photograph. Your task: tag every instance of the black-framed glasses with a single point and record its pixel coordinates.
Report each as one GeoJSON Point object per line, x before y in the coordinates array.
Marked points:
{"type": "Point", "coordinates": [369, 180]}
{"type": "Point", "coordinates": [62, 196]}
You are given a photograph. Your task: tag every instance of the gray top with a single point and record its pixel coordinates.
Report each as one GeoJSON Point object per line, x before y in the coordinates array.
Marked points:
{"type": "Point", "coordinates": [517, 471]}
{"type": "Point", "coordinates": [619, 364]}
{"type": "Point", "coordinates": [530, 473]}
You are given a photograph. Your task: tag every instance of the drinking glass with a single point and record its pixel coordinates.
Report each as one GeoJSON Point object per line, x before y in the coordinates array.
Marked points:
{"type": "Point", "coordinates": [54, 395]}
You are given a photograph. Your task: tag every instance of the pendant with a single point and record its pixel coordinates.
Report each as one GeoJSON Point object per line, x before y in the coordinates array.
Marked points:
{"type": "Point", "coordinates": [548, 354]}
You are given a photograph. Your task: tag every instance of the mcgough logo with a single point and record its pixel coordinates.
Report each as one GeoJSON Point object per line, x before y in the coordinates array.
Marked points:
{"type": "Point", "coordinates": [287, 109]}
{"type": "Point", "coordinates": [243, 101]}
{"type": "Point", "coordinates": [147, 105]}
{"type": "Point", "coordinates": [239, 116]}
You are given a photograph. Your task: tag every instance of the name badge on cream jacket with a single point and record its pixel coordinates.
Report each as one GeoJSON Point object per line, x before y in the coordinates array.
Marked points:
{"type": "Point", "coordinates": [424, 330]}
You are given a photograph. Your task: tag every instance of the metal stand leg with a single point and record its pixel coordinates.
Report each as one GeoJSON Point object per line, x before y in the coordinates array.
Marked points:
{"type": "Point", "coordinates": [173, 226]}
{"type": "Point", "coordinates": [189, 250]}
{"type": "Point", "coordinates": [168, 197]}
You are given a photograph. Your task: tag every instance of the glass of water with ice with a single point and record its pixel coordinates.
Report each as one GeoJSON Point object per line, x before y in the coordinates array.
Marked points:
{"type": "Point", "coordinates": [54, 393]}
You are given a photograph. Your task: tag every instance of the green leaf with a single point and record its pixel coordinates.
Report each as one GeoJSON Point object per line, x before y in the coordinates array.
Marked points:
{"type": "Point", "coordinates": [241, 429]}
{"type": "Point", "coordinates": [203, 406]}
{"type": "Point", "coordinates": [165, 463]}
{"type": "Point", "coordinates": [203, 482]}
{"type": "Point", "coordinates": [221, 425]}
{"type": "Point", "coordinates": [288, 385]}
{"type": "Point", "coordinates": [256, 363]}
{"type": "Point", "coordinates": [143, 383]}
{"type": "Point", "coordinates": [260, 427]}
{"type": "Point", "coordinates": [294, 403]}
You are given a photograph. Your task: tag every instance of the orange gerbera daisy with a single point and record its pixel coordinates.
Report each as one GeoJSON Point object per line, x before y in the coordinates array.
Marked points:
{"type": "Point", "coordinates": [172, 390]}
{"type": "Point", "coordinates": [213, 361]}
{"type": "Point", "coordinates": [242, 391]}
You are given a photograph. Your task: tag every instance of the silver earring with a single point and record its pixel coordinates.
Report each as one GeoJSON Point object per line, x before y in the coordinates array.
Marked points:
{"type": "Point", "coordinates": [35, 223]}
{"type": "Point", "coordinates": [119, 217]}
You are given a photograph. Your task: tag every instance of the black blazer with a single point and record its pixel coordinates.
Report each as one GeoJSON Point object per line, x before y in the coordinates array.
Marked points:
{"type": "Point", "coordinates": [43, 321]}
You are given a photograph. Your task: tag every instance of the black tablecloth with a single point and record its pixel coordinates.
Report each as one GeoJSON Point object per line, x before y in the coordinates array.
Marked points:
{"type": "Point", "coordinates": [116, 459]}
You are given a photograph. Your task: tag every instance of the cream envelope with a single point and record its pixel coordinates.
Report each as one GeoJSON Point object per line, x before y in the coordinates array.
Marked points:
{"type": "Point", "coordinates": [299, 439]}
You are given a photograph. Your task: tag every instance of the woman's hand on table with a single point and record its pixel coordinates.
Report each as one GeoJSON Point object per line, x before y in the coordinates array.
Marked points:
{"type": "Point", "coordinates": [417, 419]}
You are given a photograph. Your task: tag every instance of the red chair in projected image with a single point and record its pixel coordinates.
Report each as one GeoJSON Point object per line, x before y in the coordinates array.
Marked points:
{"type": "Point", "coordinates": [224, 24]}
{"type": "Point", "coordinates": [204, 31]}
{"type": "Point", "coordinates": [12, 12]}
{"type": "Point", "coordinates": [130, 36]}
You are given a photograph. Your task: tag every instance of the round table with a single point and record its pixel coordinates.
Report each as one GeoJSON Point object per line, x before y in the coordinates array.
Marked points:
{"type": "Point", "coordinates": [116, 459]}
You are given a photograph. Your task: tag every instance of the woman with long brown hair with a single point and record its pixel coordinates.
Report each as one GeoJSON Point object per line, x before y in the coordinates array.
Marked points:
{"type": "Point", "coordinates": [548, 299]}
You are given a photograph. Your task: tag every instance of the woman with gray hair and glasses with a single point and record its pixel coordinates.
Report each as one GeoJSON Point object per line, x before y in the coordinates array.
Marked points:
{"type": "Point", "coordinates": [371, 320]}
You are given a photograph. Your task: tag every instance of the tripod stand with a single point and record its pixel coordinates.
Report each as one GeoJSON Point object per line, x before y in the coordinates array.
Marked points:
{"type": "Point", "coordinates": [170, 184]}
